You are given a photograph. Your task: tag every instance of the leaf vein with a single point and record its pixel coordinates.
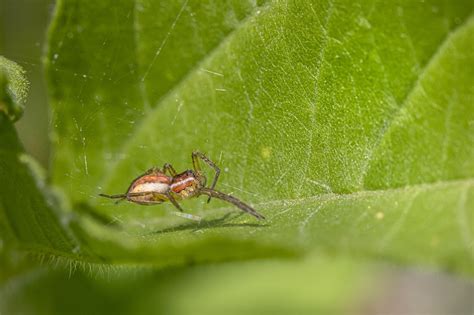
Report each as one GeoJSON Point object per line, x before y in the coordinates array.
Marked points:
{"type": "Point", "coordinates": [416, 84]}
{"type": "Point", "coordinates": [321, 57]}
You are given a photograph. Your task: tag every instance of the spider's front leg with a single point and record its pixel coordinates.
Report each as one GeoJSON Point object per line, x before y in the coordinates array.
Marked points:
{"type": "Point", "coordinates": [198, 155]}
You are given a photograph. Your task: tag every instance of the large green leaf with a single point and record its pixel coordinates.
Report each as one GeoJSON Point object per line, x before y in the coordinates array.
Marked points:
{"type": "Point", "coordinates": [349, 125]}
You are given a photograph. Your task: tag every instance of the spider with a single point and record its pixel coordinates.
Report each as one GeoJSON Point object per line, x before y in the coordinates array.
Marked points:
{"type": "Point", "coordinates": [156, 186]}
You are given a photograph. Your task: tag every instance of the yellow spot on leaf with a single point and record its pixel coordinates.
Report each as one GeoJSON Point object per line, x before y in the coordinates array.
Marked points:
{"type": "Point", "coordinates": [379, 215]}
{"type": "Point", "coordinates": [266, 152]}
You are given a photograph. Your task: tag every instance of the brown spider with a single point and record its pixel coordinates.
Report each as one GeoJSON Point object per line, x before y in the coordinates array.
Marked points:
{"type": "Point", "coordinates": [155, 186]}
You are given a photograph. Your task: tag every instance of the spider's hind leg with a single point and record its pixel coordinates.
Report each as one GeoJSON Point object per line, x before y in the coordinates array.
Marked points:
{"type": "Point", "coordinates": [120, 197]}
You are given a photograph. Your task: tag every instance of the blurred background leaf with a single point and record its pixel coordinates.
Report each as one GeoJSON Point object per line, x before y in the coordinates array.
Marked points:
{"type": "Point", "coordinates": [214, 289]}
{"type": "Point", "coordinates": [22, 37]}
{"type": "Point", "coordinates": [13, 89]}
{"type": "Point", "coordinates": [320, 284]}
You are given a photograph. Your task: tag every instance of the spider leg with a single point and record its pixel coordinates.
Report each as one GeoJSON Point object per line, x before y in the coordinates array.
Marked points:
{"type": "Point", "coordinates": [149, 171]}
{"type": "Point", "coordinates": [231, 199]}
{"type": "Point", "coordinates": [198, 155]}
{"type": "Point", "coordinates": [120, 196]}
{"type": "Point", "coordinates": [181, 213]}
{"type": "Point", "coordinates": [168, 167]}
{"type": "Point", "coordinates": [173, 201]}
{"type": "Point", "coordinates": [127, 196]}
{"type": "Point", "coordinates": [143, 193]}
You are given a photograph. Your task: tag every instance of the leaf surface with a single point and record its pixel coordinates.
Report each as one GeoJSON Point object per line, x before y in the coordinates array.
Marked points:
{"type": "Point", "coordinates": [349, 125]}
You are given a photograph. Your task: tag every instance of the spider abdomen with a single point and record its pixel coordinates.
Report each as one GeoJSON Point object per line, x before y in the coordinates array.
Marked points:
{"type": "Point", "coordinates": [150, 188]}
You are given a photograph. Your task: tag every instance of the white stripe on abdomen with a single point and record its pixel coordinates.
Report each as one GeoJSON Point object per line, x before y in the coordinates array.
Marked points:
{"type": "Point", "coordinates": [189, 179]}
{"type": "Point", "coordinates": [160, 188]}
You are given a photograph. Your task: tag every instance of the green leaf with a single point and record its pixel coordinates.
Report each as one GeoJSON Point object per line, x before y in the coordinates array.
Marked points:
{"type": "Point", "coordinates": [348, 125]}
{"type": "Point", "coordinates": [13, 89]}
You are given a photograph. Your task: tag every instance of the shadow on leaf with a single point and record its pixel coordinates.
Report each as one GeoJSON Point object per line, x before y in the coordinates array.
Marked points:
{"type": "Point", "coordinates": [209, 224]}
